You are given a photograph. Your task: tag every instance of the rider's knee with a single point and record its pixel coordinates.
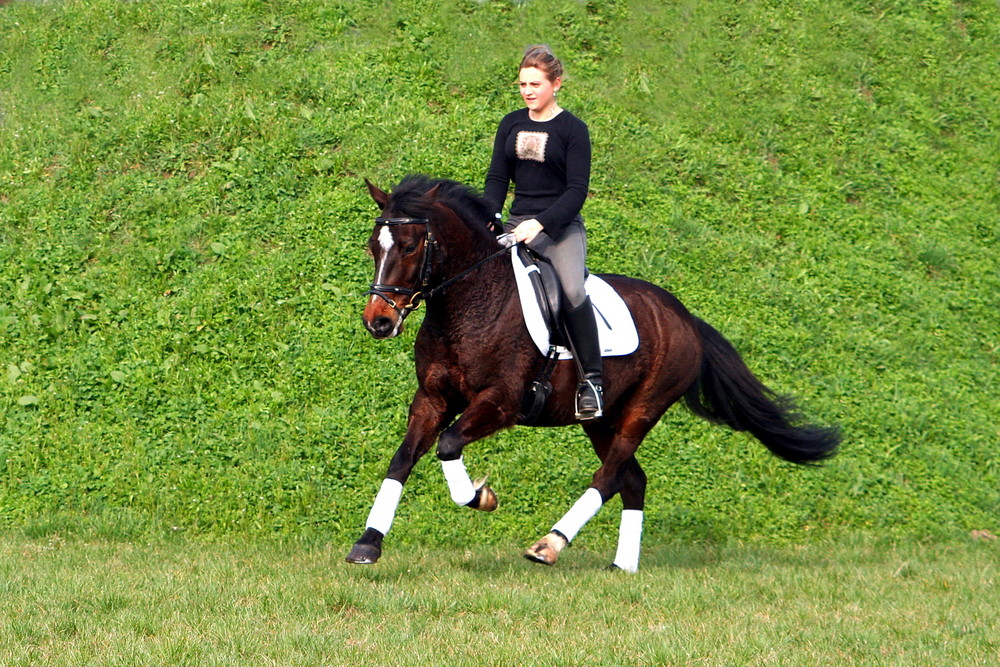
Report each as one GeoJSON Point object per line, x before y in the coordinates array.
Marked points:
{"type": "Point", "coordinates": [575, 295]}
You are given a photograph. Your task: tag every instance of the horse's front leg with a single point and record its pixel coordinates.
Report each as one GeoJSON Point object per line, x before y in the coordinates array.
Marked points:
{"type": "Point", "coordinates": [427, 417]}
{"type": "Point", "coordinates": [484, 416]}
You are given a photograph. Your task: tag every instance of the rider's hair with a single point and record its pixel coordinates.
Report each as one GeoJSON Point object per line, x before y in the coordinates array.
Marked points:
{"type": "Point", "coordinates": [541, 56]}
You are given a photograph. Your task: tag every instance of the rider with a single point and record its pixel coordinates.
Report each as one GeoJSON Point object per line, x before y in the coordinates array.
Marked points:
{"type": "Point", "coordinates": [545, 151]}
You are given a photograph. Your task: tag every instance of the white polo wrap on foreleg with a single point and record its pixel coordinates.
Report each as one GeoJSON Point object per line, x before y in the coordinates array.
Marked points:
{"type": "Point", "coordinates": [384, 508]}
{"type": "Point", "coordinates": [582, 511]}
{"type": "Point", "coordinates": [629, 539]}
{"type": "Point", "coordinates": [462, 491]}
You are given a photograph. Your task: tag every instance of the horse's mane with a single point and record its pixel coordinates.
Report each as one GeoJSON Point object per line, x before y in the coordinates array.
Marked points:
{"type": "Point", "coordinates": [408, 199]}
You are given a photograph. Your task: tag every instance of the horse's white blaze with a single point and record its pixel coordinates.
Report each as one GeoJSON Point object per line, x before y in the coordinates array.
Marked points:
{"type": "Point", "coordinates": [385, 240]}
{"type": "Point", "coordinates": [629, 539]}
{"type": "Point", "coordinates": [459, 484]}
{"type": "Point", "coordinates": [384, 507]}
{"type": "Point", "coordinates": [582, 511]}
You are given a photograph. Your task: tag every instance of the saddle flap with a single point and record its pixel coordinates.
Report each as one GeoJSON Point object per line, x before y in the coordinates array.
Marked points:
{"type": "Point", "coordinates": [545, 284]}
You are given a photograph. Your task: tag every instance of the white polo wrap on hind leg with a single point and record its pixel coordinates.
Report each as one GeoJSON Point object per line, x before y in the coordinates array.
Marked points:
{"type": "Point", "coordinates": [462, 491]}
{"type": "Point", "coordinates": [629, 539]}
{"type": "Point", "coordinates": [384, 507]}
{"type": "Point", "coordinates": [582, 511]}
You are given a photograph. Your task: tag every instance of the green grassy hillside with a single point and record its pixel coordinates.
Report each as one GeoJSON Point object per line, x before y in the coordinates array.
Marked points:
{"type": "Point", "coordinates": [182, 221]}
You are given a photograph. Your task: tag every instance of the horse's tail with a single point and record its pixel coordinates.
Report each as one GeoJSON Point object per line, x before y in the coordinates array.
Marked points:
{"type": "Point", "coordinates": [727, 392]}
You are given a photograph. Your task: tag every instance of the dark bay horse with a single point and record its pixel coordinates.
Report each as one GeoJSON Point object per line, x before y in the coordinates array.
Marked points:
{"type": "Point", "coordinates": [475, 359]}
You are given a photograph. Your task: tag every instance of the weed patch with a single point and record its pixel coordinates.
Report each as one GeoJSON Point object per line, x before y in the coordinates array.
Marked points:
{"type": "Point", "coordinates": [182, 222]}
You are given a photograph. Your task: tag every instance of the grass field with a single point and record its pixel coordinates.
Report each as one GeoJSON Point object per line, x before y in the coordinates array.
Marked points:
{"type": "Point", "coordinates": [73, 602]}
{"type": "Point", "coordinates": [182, 220]}
{"type": "Point", "coordinates": [193, 423]}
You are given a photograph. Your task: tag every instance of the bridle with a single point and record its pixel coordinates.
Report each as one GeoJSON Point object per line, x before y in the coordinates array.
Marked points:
{"type": "Point", "coordinates": [415, 294]}
{"type": "Point", "coordinates": [421, 292]}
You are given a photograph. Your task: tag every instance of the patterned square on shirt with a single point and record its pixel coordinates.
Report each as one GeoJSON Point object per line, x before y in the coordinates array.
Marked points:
{"type": "Point", "coordinates": [531, 145]}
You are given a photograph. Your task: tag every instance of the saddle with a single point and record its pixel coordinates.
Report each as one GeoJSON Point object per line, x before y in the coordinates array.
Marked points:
{"type": "Point", "coordinates": [541, 303]}
{"type": "Point", "coordinates": [541, 297]}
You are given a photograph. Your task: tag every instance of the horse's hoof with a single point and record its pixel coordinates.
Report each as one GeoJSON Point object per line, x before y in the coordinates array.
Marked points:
{"type": "Point", "coordinates": [546, 550]}
{"type": "Point", "coordinates": [366, 550]}
{"type": "Point", "coordinates": [486, 499]}
{"type": "Point", "coordinates": [363, 554]}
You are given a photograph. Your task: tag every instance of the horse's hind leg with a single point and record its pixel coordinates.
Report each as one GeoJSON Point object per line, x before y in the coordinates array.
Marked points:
{"type": "Point", "coordinates": [631, 483]}
{"type": "Point", "coordinates": [615, 445]}
{"type": "Point", "coordinates": [633, 493]}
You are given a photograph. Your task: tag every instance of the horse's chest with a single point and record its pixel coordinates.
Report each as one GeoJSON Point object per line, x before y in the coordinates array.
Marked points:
{"type": "Point", "coordinates": [467, 374]}
{"type": "Point", "coordinates": [463, 366]}
{"type": "Point", "coordinates": [473, 373]}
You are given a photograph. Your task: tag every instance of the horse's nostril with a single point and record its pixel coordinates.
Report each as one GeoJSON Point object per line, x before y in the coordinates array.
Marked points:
{"type": "Point", "coordinates": [382, 326]}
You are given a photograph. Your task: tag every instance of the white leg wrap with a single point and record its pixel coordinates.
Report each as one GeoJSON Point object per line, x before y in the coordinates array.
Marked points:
{"type": "Point", "coordinates": [582, 511]}
{"type": "Point", "coordinates": [462, 491]}
{"type": "Point", "coordinates": [384, 508]}
{"type": "Point", "coordinates": [629, 538]}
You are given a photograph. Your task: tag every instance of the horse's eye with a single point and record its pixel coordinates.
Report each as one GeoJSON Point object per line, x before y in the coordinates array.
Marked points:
{"type": "Point", "coordinates": [410, 249]}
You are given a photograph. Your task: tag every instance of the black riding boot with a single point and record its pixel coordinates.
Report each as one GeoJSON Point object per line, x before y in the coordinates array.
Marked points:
{"type": "Point", "coordinates": [582, 329]}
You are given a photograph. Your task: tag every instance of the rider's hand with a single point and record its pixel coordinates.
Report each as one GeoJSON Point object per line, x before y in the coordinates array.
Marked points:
{"type": "Point", "coordinates": [527, 230]}
{"type": "Point", "coordinates": [496, 225]}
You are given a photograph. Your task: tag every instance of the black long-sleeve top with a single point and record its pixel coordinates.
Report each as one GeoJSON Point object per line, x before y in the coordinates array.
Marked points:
{"type": "Point", "coordinates": [549, 164]}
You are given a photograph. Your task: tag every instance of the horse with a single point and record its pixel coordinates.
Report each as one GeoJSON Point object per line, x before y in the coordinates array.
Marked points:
{"type": "Point", "coordinates": [432, 244]}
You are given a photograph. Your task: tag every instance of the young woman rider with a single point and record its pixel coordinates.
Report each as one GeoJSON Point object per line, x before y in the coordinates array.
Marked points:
{"type": "Point", "coordinates": [545, 151]}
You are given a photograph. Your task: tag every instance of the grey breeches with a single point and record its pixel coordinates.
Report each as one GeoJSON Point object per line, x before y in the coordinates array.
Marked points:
{"type": "Point", "coordinates": [568, 256]}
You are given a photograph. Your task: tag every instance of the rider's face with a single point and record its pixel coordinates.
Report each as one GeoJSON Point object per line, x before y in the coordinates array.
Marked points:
{"type": "Point", "coordinates": [538, 93]}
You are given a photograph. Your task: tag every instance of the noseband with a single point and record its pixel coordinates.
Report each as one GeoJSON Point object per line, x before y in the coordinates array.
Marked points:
{"type": "Point", "coordinates": [415, 294]}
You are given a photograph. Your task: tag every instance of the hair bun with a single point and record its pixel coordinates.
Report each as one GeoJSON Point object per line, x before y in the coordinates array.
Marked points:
{"type": "Point", "coordinates": [541, 57]}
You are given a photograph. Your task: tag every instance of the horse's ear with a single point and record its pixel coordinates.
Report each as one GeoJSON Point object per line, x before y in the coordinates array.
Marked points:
{"type": "Point", "coordinates": [432, 194]}
{"type": "Point", "coordinates": [380, 197]}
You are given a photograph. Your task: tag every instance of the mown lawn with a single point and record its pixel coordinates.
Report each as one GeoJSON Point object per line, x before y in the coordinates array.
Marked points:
{"type": "Point", "coordinates": [186, 602]}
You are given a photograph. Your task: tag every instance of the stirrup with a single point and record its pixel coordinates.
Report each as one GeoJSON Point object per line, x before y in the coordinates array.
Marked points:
{"type": "Point", "coordinates": [589, 400]}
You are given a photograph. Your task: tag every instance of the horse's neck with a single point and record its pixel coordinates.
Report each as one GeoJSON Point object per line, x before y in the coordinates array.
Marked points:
{"type": "Point", "coordinates": [476, 304]}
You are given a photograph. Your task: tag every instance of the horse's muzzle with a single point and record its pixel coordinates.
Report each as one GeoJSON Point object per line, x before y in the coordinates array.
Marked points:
{"type": "Point", "coordinates": [382, 326]}
{"type": "Point", "coordinates": [383, 317]}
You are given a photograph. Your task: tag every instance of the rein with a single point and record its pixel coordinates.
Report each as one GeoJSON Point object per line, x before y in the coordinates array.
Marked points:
{"type": "Point", "coordinates": [416, 294]}
{"type": "Point", "coordinates": [456, 278]}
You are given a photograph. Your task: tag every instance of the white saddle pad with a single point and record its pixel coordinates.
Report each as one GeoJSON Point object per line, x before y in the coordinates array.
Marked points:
{"type": "Point", "coordinates": [615, 327]}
